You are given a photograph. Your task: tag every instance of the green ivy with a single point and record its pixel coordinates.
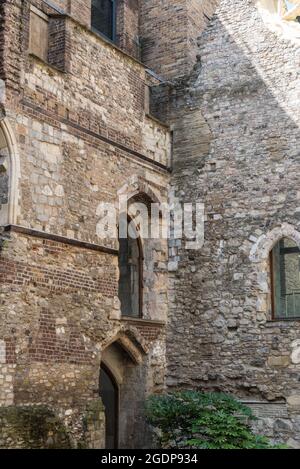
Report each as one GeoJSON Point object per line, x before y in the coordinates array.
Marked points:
{"type": "Point", "coordinates": [191, 419]}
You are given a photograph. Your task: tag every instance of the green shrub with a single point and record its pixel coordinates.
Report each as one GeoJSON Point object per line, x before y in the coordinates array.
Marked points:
{"type": "Point", "coordinates": [190, 419]}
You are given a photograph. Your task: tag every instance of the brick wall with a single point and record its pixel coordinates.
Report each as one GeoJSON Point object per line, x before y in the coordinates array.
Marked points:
{"type": "Point", "coordinates": [62, 4]}
{"type": "Point", "coordinates": [127, 20]}
{"type": "Point", "coordinates": [12, 38]}
{"type": "Point", "coordinates": [128, 16]}
{"type": "Point", "coordinates": [80, 10]}
{"type": "Point", "coordinates": [169, 32]}
{"type": "Point", "coordinates": [117, 109]}
{"type": "Point", "coordinates": [59, 43]}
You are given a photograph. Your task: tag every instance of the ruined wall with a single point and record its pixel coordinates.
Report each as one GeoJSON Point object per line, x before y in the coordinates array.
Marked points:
{"type": "Point", "coordinates": [241, 160]}
{"type": "Point", "coordinates": [169, 31]}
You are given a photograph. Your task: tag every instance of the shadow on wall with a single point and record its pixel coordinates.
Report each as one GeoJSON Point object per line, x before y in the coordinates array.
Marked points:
{"type": "Point", "coordinates": [246, 88]}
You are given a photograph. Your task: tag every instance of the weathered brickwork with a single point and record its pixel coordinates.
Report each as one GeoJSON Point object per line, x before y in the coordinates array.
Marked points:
{"type": "Point", "coordinates": [77, 131]}
{"type": "Point", "coordinates": [60, 312]}
{"type": "Point", "coordinates": [127, 19]}
{"type": "Point", "coordinates": [169, 32]}
{"type": "Point", "coordinates": [128, 27]}
{"type": "Point", "coordinates": [74, 133]}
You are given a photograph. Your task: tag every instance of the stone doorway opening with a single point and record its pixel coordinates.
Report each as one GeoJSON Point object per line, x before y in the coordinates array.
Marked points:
{"type": "Point", "coordinates": [109, 392]}
{"type": "Point", "coordinates": [122, 387]}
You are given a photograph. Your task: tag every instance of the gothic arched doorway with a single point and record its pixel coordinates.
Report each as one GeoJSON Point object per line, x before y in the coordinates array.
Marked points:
{"type": "Point", "coordinates": [109, 393]}
{"type": "Point", "coordinates": [122, 389]}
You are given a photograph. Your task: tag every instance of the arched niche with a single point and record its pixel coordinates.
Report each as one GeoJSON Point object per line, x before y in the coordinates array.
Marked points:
{"type": "Point", "coordinates": [9, 174]}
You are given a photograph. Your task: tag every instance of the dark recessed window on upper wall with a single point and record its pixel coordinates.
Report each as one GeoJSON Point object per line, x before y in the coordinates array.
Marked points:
{"type": "Point", "coordinates": [103, 19]}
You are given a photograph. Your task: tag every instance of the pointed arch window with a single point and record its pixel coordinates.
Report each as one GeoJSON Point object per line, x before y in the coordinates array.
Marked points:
{"type": "Point", "coordinates": [131, 273]}
{"type": "Point", "coordinates": [285, 275]}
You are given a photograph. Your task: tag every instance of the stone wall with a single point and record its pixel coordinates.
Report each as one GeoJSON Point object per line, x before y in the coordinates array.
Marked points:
{"type": "Point", "coordinates": [78, 135]}
{"type": "Point", "coordinates": [60, 312]}
{"type": "Point", "coordinates": [239, 125]}
{"type": "Point", "coordinates": [169, 32]}
{"type": "Point", "coordinates": [81, 143]}
{"type": "Point", "coordinates": [31, 427]}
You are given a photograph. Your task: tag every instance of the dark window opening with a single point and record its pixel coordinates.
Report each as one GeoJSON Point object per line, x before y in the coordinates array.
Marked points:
{"type": "Point", "coordinates": [103, 18]}
{"type": "Point", "coordinates": [285, 267]}
{"type": "Point", "coordinates": [131, 276]}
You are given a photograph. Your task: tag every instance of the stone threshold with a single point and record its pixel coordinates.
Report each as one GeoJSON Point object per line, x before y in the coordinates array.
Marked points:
{"type": "Point", "coordinates": [60, 239]}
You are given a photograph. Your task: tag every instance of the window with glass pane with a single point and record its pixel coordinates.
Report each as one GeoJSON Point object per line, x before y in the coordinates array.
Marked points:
{"type": "Point", "coordinates": [130, 281]}
{"type": "Point", "coordinates": [285, 259]}
{"type": "Point", "coordinates": [103, 17]}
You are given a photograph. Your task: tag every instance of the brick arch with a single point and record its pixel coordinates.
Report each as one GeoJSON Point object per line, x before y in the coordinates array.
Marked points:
{"type": "Point", "coordinates": [14, 171]}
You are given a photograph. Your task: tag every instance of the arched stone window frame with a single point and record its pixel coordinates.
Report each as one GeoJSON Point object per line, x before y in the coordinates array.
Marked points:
{"type": "Point", "coordinates": [14, 172]}
{"type": "Point", "coordinates": [139, 243]}
{"type": "Point", "coordinates": [260, 257]}
{"type": "Point", "coordinates": [139, 186]}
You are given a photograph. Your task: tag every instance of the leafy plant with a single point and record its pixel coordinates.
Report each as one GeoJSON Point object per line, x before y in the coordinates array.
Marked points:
{"type": "Point", "coordinates": [191, 419]}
